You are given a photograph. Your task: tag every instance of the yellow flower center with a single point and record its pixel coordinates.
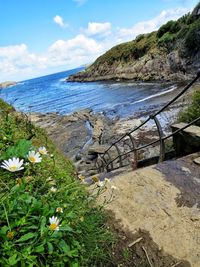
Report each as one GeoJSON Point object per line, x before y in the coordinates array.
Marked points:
{"type": "Point", "coordinates": [10, 234]}
{"type": "Point", "coordinates": [13, 168]}
{"type": "Point", "coordinates": [53, 226]}
{"type": "Point", "coordinates": [81, 177]}
{"type": "Point", "coordinates": [32, 159]}
{"type": "Point", "coordinates": [95, 179]}
{"type": "Point", "coordinates": [59, 209]}
{"type": "Point", "coordinates": [42, 152]}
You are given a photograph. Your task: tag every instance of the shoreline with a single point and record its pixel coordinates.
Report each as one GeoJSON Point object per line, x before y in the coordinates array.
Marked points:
{"type": "Point", "coordinates": [85, 133]}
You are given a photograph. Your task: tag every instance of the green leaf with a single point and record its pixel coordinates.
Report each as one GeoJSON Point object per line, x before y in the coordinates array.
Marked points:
{"type": "Point", "coordinates": [43, 225]}
{"type": "Point", "coordinates": [39, 249]}
{"type": "Point", "coordinates": [66, 228]}
{"type": "Point", "coordinates": [13, 260]}
{"type": "Point", "coordinates": [4, 230]}
{"type": "Point", "coordinates": [50, 247]}
{"type": "Point", "coordinates": [65, 248]}
{"type": "Point", "coordinates": [20, 149]}
{"type": "Point", "coordinates": [75, 264]}
{"type": "Point", "coordinates": [26, 237]}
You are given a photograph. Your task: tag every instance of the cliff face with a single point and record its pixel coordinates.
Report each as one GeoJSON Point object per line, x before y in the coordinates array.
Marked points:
{"type": "Point", "coordinates": [171, 53]}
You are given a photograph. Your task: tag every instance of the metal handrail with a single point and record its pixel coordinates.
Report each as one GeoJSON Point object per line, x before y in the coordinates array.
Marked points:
{"type": "Point", "coordinates": [156, 141]}
{"type": "Point", "coordinates": [161, 135]}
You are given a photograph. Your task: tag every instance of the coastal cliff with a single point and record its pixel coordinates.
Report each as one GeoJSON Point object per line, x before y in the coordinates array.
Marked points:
{"type": "Point", "coordinates": [7, 84]}
{"type": "Point", "coordinates": [171, 53]}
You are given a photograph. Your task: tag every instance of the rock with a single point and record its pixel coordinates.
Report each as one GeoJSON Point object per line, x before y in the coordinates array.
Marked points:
{"type": "Point", "coordinates": [184, 169]}
{"type": "Point", "coordinates": [97, 149]}
{"type": "Point", "coordinates": [78, 157]}
{"type": "Point", "coordinates": [7, 84]}
{"type": "Point", "coordinates": [91, 156]}
{"type": "Point", "coordinates": [197, 160]}
{"type": "Point", "coordinates": [187, 140]}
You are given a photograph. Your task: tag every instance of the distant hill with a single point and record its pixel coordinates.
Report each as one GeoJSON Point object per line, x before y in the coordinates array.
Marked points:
{"type": "Point", "coordinates": [171, 53]}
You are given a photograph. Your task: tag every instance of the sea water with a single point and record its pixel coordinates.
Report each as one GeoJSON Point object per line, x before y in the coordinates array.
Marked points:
{"type": "Point", "coordinates": [52, 93]}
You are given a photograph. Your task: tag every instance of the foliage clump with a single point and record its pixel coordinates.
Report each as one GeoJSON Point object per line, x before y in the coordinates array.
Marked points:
{"type": "Point", "coordinates": [47, 216]}
{"type": "Point", "coordinates": [192, 38]}
{"type": "Point", "coordinates": [193, 111]}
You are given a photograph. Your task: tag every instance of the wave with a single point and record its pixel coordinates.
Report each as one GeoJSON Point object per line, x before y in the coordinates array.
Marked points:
{"type": "Point", "coordinates": [174, 87]}
{"type": "Point", "coordinates": [62, 79]}
{"type": "Point", "coordinates": [129, 103]}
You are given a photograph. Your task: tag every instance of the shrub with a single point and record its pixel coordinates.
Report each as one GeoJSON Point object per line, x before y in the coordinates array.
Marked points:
{"type": "Point", "coordinates": [192, 38]}
{"type": "Point", "coordinates": [166, 39]}
{"type": "Point", "coordinates": [193, 111]}
{"type": "Point", "coordinates": [171, 27]}
{"type": "Point", "coordinates": [139, 37]}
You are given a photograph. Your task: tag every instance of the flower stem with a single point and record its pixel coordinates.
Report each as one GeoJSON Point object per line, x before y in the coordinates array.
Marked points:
{"type": "Point", "coordinates": [6, 216]}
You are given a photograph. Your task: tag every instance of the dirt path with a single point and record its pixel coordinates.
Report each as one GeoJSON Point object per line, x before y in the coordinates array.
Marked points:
{"type": "Point", "coordinates": [147, 199]}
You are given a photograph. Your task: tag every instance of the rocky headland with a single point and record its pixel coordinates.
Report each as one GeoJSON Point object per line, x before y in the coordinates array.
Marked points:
{"type": "Point", "coordinates": [7, 84]}
{"type": "Point", "coordinates": [172, 53]}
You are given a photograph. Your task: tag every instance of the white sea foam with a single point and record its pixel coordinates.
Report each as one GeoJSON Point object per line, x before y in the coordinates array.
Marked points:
{"type": "Point", "coordinates": [62, 80]}
{"type": "Point", "coordinates": [172, 88]}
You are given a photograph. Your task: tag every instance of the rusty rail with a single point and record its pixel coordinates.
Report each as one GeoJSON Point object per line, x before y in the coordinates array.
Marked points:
{"type": "Point", "coordinates": [108, 164]}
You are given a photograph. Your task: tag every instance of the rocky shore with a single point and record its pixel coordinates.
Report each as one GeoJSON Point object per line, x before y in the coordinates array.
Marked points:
{"type": "Point", "coordinates": [158, 67]}
{"type": "Point", "coordinates": [84, 134]}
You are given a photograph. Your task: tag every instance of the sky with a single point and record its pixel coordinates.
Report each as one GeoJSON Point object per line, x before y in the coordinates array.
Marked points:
{"type": "Point", "coordinates": [40, 37]}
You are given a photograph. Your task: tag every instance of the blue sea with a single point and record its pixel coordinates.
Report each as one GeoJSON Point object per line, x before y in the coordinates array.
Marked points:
{"type": "Point", "coordinates": [52, 93]}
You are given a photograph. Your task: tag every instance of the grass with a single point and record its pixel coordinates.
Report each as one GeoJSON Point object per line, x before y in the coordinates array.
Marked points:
{"type": "Point", "coordinates": [31, 196]}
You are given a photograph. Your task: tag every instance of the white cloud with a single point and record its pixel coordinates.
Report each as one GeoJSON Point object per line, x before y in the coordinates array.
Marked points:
{"type": "Point", "coordinates": [95, 28]}
{"type": "Point", "coordinates": [80, 2]}
{"type": "Point", "coordinates": [59, 21]}
{"type": "Point", "coordinates": [75, 51]}
{"type": "Point", "coordinates": [150, 25]}
{"type": "Point", "coordinates": [18, 63]}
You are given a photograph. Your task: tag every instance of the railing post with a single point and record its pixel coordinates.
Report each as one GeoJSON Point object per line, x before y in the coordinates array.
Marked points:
{"type": "Point", "coordinates": [134, 149]}
{"type": "Point", "coordinates": [120, 157]}
{"type": "Point", "coordinates": [110, 159]}
{"type": "Point", "coordinates": [161, 135]}
{"type": "Point", "coordinates": [98, 166]}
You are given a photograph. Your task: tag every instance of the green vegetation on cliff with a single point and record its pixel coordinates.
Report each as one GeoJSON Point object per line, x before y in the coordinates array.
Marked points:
{"type": "Point", "coordinates": [184, 32]}
{"type": "Point", "coordinates": [193, 111]}
{"type": "Point", "coordinates": [127, 51]}
{"type": "Point", "coordinates": [36, 190]}
{"type": "Point", "coordinates": [171, 53]}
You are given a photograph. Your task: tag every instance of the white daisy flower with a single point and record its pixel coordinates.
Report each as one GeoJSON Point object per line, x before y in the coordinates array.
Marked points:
{"type": "Point", "coordinates": [13, 165]}
{"type": "Point", "coordinates": [54, 223]}
{"type": "Point", "coordinates": [100, 183]}
{"type": "Point", "coordinates": [34, 157]}
{"type": "Point", "coordinates": [113, 187]}
{"type": "Point", "coordinates": [59, 210]}
{"type": "Point", "coordinates": [42, 150]}
{"type": "Point", "coordinates": [53, 189]}
{"type": "Point", "coordinates": [107, 180]}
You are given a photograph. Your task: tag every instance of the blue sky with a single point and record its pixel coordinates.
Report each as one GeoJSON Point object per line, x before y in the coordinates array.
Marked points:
{"type": "Point", "coordinates": [39, 37]}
